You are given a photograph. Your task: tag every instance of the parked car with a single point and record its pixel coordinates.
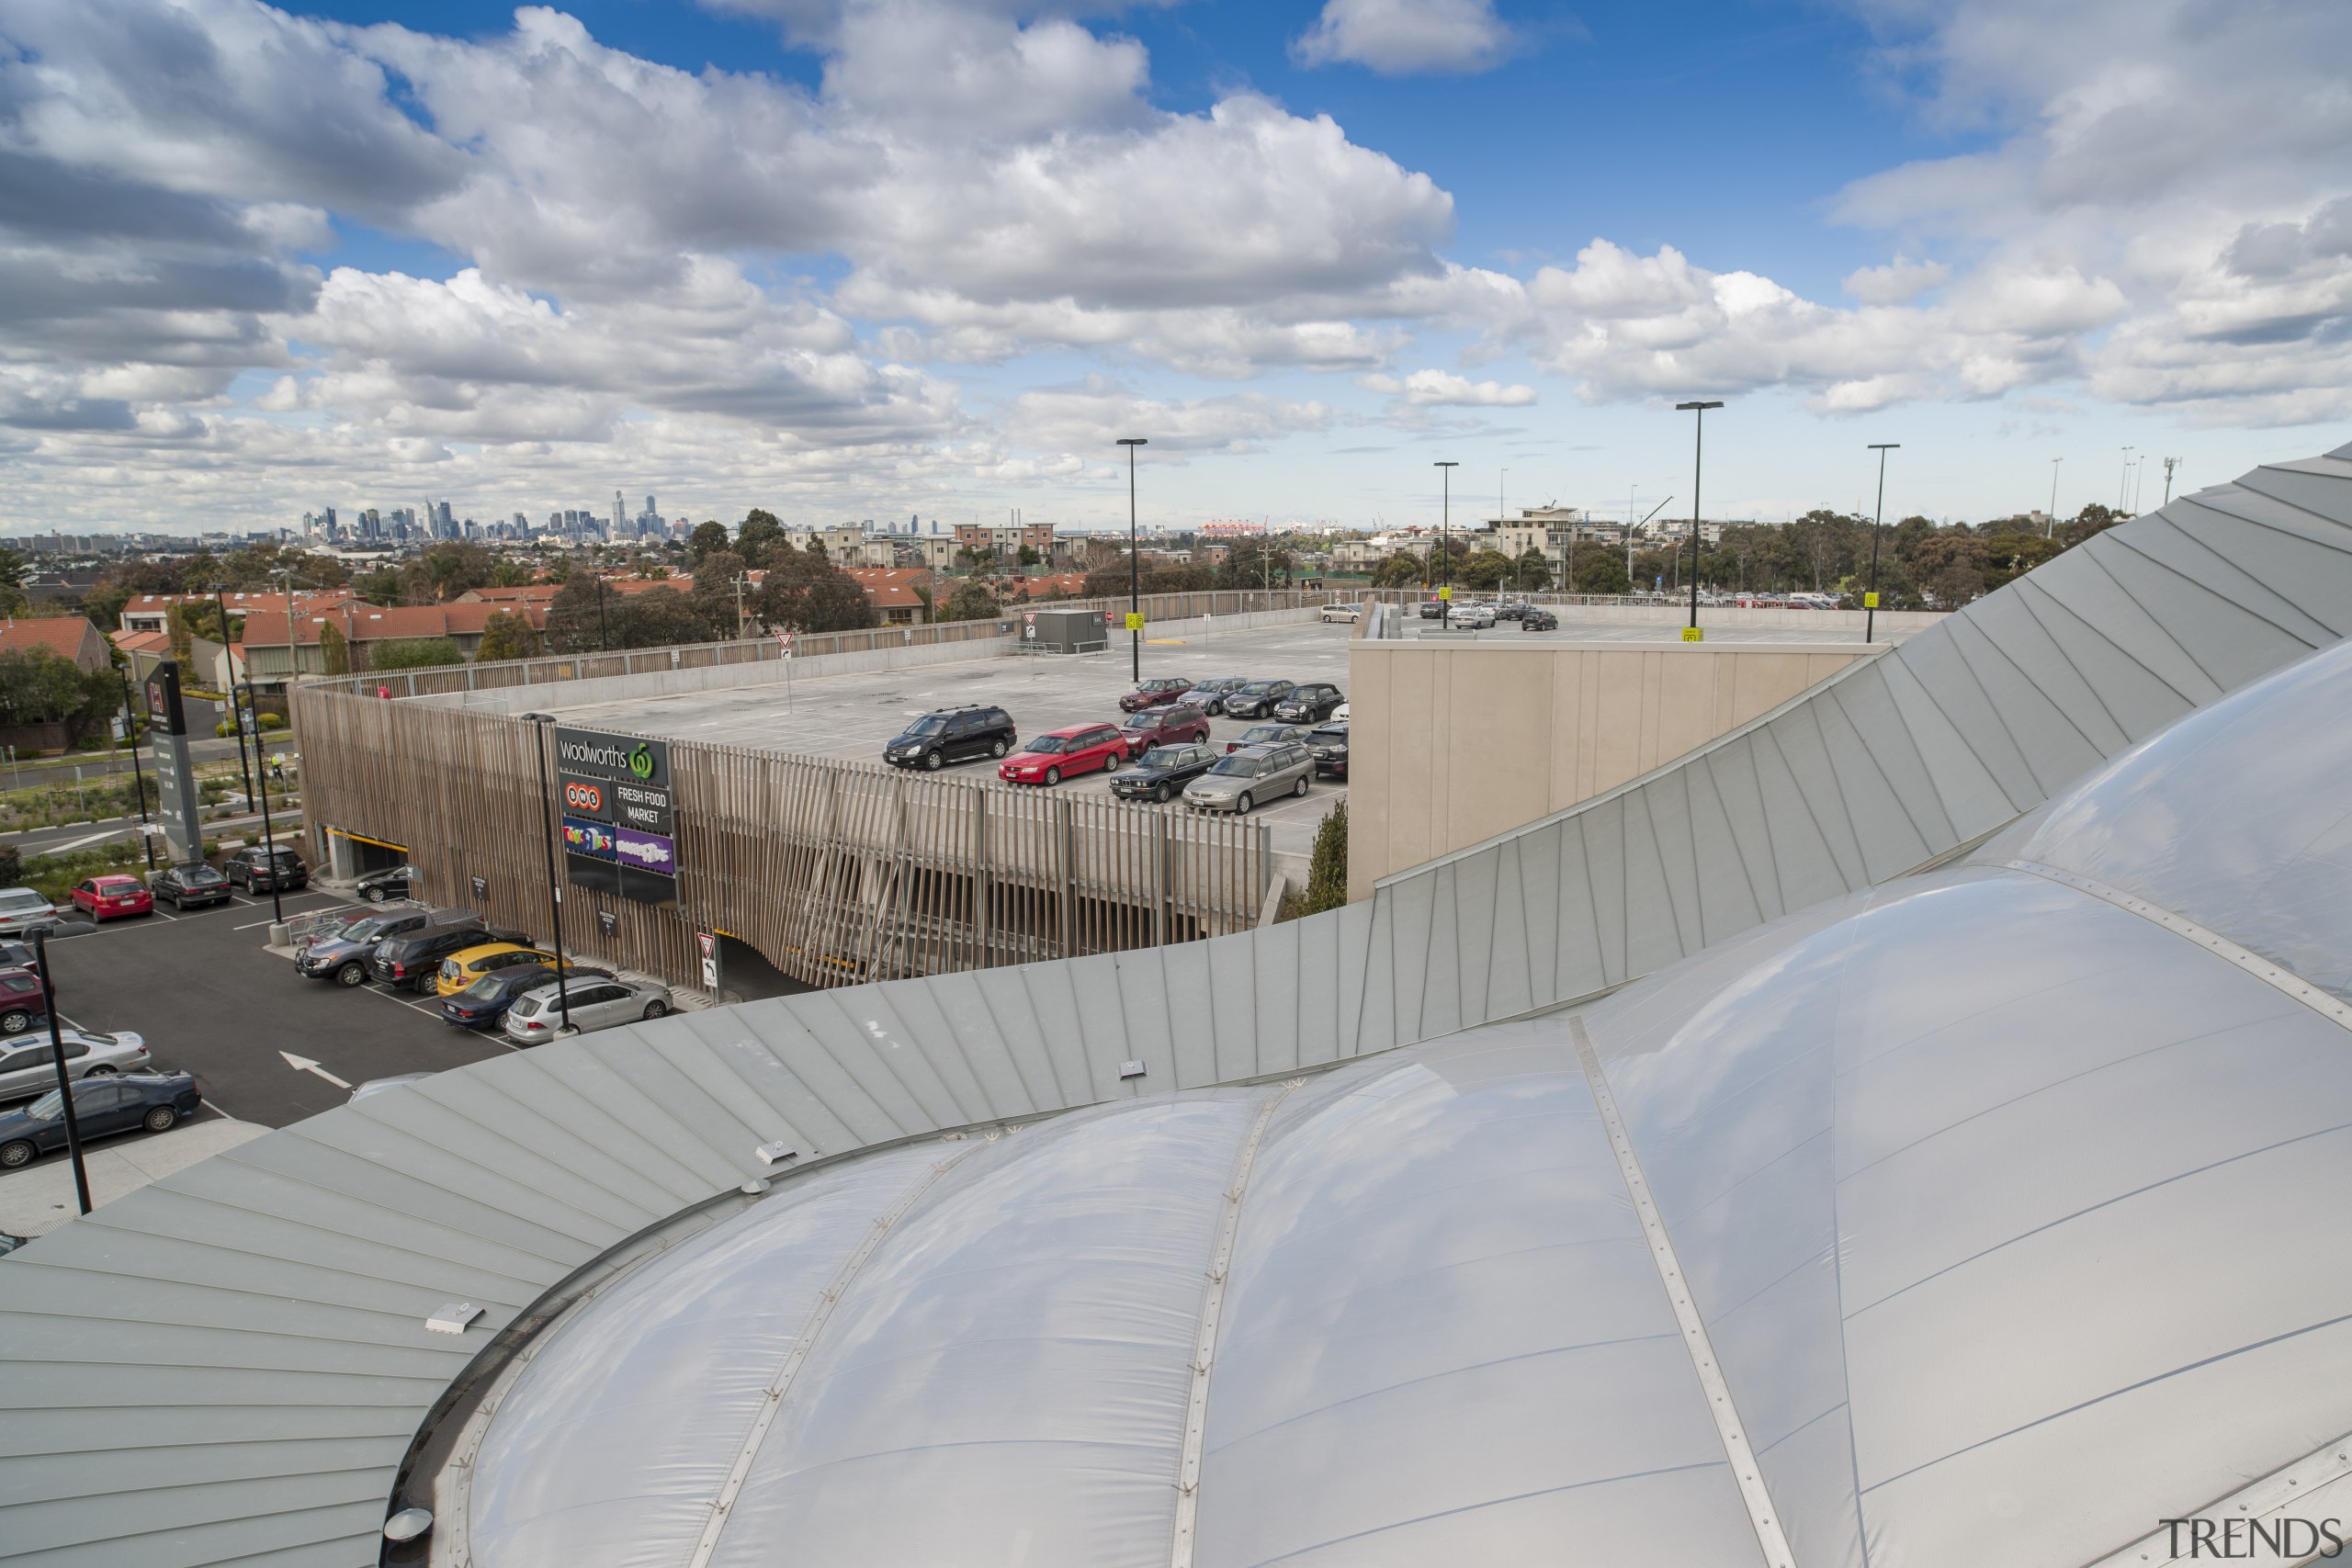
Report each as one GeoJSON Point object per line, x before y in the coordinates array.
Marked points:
{"type": "Point", "coordinates": [1239, 780]}
{"type": "Point", "coordinates": [344, 957]}
{"type": "Point", "coordinates": [22, 910]}
{"type": "Point", "coordinates": [1539, 621]}
{"type": "Point", "coordinates": [1153, 693]}
{"type": "Point", "coordinates": [1470, 613]}
{"type": "Point", "coordinates": [1209, 695]}
{"type": "Point", "coordinates": [1171, 726]}
{"type": "Point", "coordinates": [413, 960]}
{"type": "Point", "coordinates": [1432, 609]}
{"type": "Point", "coordinates": [1516, 610]}
{"type": "Point", "coordinates": [257, 868]}
{"type": "Point", "coordinates": [108, 898]}
{"type": "Point", "coordinates": [484, 1004]}
{"type": "Point", "coordinates": [1269, 735]}
{"type": "Point", "coordinates": [1309, 704]}
{"type": "Point", "coordinates": [380, 1085]}
{"type": "Point", "coordinates": [1256, 699]}
{"type": "Point", "coordinates": [19, 955]}
{"type": "Point", "coordinates": [102, 1107]}
{"type": "Point", "coordinates": [194, 885]}
{"type": "Point", "coordinates": [1348, 613]}
{"type": "Point", "coordinates": [1051, 757]}
{"type": "Point", "coordinates": [22, 1005]}
{"type": "Point", "coordinates": [952, 735]}
{"type": "Point", "coordinates": [466, 966]}
{"type": "Point", "coordinates": [1328, 745]}
{"type": "Point", "coordinates": [28, 1066]}
{"type": "Point", "coordinates": [1160, 775]}
{"type": "Point", "coordinates": [383, 886]}
{"type": "Point", "coordinates": [535, 1017]}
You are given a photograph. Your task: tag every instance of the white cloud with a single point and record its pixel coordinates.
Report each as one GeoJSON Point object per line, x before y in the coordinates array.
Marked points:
{"type": "Point", "coordinates": [1899, 282]}
{"type": "Point", "coordinates": [1443, 389]}
{"type": "Point", "coordinates": [1403, 38]}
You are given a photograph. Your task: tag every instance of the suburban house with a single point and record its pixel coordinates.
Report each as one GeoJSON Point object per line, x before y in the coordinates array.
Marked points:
{"type": "Point", "coordinates": [68, 637]}
{"type": "Point", "coordinates": [152, 612]}
{"type": "Point", "coordinates": [891, 589]}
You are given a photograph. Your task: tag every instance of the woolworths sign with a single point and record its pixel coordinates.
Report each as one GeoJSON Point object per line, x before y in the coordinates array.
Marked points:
{"type": "Point", "coordinates": [603, 756]}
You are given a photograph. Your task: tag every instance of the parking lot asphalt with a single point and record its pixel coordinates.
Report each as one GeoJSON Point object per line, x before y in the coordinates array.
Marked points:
{"type": "Point", "coordinates": [211, 999]}
{"type": "Point", "coordinates": [851, 716]}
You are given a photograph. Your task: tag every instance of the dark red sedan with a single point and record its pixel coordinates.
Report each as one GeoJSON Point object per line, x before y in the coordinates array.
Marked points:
{"type": "Point", "coordinates": [1153, 693]}
{"type": "Point", "coordinates": [1178, 724]}
{"type": "Point", "coordinates": [108, 898]}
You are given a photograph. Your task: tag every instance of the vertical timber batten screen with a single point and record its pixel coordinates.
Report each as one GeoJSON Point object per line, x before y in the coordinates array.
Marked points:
{"type": "Point", "coordinates": [838, 873]}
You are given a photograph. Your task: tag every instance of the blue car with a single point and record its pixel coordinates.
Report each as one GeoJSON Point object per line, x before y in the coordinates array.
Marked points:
{"type": "Point", "coordinates": [484, 1004]}
{"type": "Point", "coordinates": [103, 1107]}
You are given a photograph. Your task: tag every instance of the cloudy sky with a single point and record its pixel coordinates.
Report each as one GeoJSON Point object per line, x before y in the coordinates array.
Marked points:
{"type": "Point", "coordinates": [868, 258]}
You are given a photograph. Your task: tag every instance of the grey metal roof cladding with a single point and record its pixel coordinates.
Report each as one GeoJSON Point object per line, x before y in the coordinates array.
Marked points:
{"type": "Point", "coordinates": [1928, 1159]}
{"type": "Point", "coordinates": [230, 1365]}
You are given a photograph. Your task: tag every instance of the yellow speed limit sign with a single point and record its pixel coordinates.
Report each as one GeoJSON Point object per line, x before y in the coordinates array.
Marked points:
{"type": "Point", "coordinates": [1694, 634]}
{"type": "Point", "coordinates": [1135, 620]}
{"type": "Point", "coordinates": [1870, 600]}
{"type": "Point", "coordinates": [1445, 592]}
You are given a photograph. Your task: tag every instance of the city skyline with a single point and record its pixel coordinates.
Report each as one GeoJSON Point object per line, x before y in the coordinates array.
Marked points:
{"type": "Point", "coordinates": [868, 257]}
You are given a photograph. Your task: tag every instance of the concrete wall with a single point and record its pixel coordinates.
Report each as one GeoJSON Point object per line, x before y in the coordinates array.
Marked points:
{"type": "Point", "coordinates": [1454, 742]}
{"type": "Point", "coordinates": [556, 695]}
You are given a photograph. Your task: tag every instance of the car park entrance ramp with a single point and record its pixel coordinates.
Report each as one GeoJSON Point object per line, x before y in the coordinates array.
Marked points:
{"type": "Point", "coordinates": [235, 1364]}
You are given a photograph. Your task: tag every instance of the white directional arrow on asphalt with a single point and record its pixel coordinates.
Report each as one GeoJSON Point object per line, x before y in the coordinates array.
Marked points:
{"type": "Point", "coordinates": [304, 1065]}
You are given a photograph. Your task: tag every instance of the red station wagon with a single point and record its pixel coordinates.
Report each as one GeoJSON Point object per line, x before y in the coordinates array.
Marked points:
{"type": "Point", "coordinates": [106, 898]}
{"type": "Point", "coordinates": [1050, 758]}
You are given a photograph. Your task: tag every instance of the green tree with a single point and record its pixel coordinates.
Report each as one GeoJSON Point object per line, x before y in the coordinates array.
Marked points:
{"type": "Point", "coordinates": [412, 653]}
{"type": "Point", "coordinates": [1534, 573]}
{"type": "Point", "coordinates": [971, 601]}
{"type": "Point", "coordinates": [506, 635]}
{"type": "Point", "coordinates": [580, 615]}
{"type": "Point", "coordinates": [805, 592]}
{"type": "Point", "coordinates": [759, 536]}
{"type": "Point", "coordinates": [510, 574]}
{"type": "Point", "coordinates": [1326, 869]}
{"type": "Point", "coordinates": [334, 650]}
{"type": "Point", "coordinates": [706, 539]}
{"type": "Point", "coordinates": [1255, 563]}
{"type": "Point", "coordinates": [41, 687]}
{"type": "Point", "coordinates": [714, 591]}
{"type": "Point", "coordinates": [1601, 571]}
{"type": "Point", "coordinates": [659, 617]}
{"type": "Point", "coordinates": [1029, 555]}
{"type": "Point", "coordinates": [1402, 569]}
{"type": "Point", "coordinates": [1950, 565]}
{"type": "Point", "coordinates": [1484, 569]}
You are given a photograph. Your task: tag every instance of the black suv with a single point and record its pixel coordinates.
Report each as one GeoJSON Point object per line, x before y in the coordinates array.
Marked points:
{"type": "Point", "coordinates": [258, 870]}
{"type": "Point", "coordinates": [1256, 699]}
{"type": "Point", "coordinates": [952, 734]}
{"type": "Point", "coordinates": [1330, 745]}
{"type": "Point", "coordinates": [412, 962]}
{"type": "Point", "coordinates": [189, 886]}
{"type": "Point", "coordinates": [1310, 704]}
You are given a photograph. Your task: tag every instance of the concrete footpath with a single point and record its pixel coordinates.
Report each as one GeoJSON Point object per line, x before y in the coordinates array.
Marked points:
{"type": "Point", "coordinates": [36, 1200]}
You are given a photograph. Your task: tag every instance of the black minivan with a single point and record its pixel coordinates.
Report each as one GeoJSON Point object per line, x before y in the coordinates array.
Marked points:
{"type": "Point", "coordinates": [952, 734]}
{"type": "Point", "coordinates": [255, 868]}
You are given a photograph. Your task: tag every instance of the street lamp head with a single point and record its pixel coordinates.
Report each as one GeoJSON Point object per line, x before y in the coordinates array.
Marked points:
{"type": "Point", "coordinates": [1445, 465]}
{"type": "Point", "coordinates": [1135, 440]}
{"type": "Point", "coordinates": [1886, 446]}
{"type": "Point", "coordinates": [1681, 408]}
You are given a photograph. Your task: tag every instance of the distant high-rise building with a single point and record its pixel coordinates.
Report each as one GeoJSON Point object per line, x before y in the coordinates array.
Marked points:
{"type": "Point", "coordinates": [651, 510]}
{"type": "Point", "coordinates": [620, 517]}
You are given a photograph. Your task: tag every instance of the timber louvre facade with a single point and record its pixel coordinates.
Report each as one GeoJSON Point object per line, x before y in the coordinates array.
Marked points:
{"type": "Point", "coordinates": [837, 873]}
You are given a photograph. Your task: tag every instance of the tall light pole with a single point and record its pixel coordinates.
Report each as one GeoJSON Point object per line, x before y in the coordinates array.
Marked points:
{"type": "Point", "coordinates": [229, 662]}
{"type": "Point", "coordinates": [1698, 453]}
{"type": "Point", "coordinates": [1870, 595]}
{"type": "Point", "coordinates": [1444, 532]}
{"type": "Point", "coordinates": [2124, 484]}
{"type": "Point", "coordinates": [538, 721]}
{"type": "Point", "coordinates": [1134, 567]}
{"type": "Point", "coordinates": [41, 935]}
{"type": "Point", "coordinates": [2170, 464]}
{"type": "Point", "coordinates": [2049, 528]}
{"type": "Point", "coordinates": [138, 779]}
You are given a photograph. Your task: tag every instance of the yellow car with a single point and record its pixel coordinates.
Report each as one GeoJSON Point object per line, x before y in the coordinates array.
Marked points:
{"type": "Point", "coordinates": [466, 966]}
